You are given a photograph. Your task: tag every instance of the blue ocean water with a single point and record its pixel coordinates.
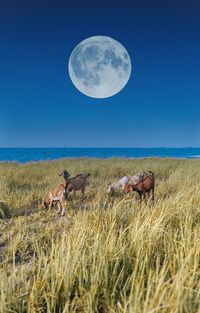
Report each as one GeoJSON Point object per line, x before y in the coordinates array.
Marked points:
{"type": "Point", "coordinates": [23, 155]}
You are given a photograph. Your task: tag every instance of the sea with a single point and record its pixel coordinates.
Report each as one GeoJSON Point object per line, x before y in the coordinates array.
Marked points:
{"type": "Point", "coordinates": [23, 155]}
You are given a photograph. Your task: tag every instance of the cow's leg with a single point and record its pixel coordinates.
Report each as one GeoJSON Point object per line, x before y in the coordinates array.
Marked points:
{"type": "Point", "coordinates": [143, 195]}
{"type": "Point", "coordinates": [66, 194]}
{"type": "Point", "coordinates": [152, 197]}
{"type": "Point", "coordinates": [59, 206]}
{"type": "Point", "coordinates": [140, 195]}
{"type": "Point", "coordinates": [50, 204]}
{"type": "Point", "coordinates": [63, 204]}
{"type": "Point", "coordinates": [146, 195]}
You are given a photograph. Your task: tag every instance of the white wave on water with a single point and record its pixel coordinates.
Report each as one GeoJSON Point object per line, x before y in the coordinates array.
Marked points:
{"type": "Point", "coordinates": [197, 156]}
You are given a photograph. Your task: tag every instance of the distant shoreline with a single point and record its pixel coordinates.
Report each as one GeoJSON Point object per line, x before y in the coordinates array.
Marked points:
{"type": "Point", "coordinates": [26, 155]}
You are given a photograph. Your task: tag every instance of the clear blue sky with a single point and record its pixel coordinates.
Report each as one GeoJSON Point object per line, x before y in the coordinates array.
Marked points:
{"type": "Point", "coordinates": [160, 106]}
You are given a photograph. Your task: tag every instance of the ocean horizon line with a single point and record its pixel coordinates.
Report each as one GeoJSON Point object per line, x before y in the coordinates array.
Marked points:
{"type": "Point", "coordinates": [82, 147]}
{"type": "Point", "coordinates": [34, 154]}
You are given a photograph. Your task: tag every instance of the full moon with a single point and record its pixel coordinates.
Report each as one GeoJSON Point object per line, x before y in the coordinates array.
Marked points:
{"type": "Point", "coordinates": [99, 67]}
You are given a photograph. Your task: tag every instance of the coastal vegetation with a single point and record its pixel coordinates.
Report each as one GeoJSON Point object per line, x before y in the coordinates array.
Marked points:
{"type": "Point", "coordinates": [107, 254]}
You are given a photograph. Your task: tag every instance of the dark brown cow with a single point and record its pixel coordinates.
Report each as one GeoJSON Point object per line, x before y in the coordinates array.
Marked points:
{"type": "Point", "coordinates": [76, 183]}
{"type": "Point", "coordinates": [144, 187]}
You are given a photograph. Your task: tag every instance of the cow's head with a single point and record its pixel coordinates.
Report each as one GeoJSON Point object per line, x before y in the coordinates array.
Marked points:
{"type": "Point", "coordinates": [110, 189]}
{"type": "Point", "coordinates": [65, 174]}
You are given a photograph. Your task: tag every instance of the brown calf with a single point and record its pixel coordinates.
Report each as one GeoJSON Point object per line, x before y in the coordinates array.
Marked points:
{"type": "Point", "coordinates": [58, 195]}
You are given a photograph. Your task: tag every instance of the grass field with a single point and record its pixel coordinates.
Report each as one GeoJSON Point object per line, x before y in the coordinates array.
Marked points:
{"type": "Point", "coordinates": [106, 254]}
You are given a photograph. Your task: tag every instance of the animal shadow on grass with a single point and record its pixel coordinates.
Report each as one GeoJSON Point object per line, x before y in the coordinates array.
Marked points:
{"type": "Point", "coordinates": [78, 201]}
{"type": "Point", "coordinates": [2, 251]}
{"type": "Point", "coordinates": [132, 196]}
{"type": "Point", "coordinates": [5, 210]}
{"type": "Point", "coordinates": [28, 209]}
{"type": "Point", "coordinates": [76, 205]}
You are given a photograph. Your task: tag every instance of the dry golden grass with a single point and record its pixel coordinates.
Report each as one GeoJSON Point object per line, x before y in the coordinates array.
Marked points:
{"type": "Point", "coordinates": [105, 255]}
